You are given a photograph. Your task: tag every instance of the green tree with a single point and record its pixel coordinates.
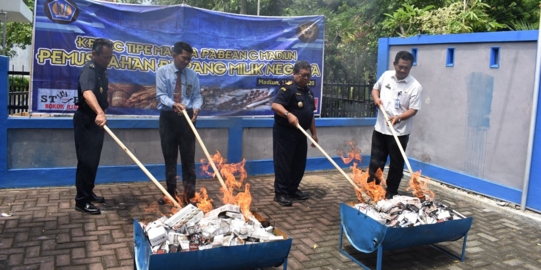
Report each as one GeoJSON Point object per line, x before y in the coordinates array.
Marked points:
{"type": "Point", "coordinates": [408, 19]}
{"type": "Point", "coordinates": [450, 19]}
{"type": "Point", "coordinates": [517, 14]}
{"type": "Point", "coordinates": [475, 18]}
{"type": "Point", "coordinates": [439, 21]}
{"type": "Point", "coordinates": [19, 34]}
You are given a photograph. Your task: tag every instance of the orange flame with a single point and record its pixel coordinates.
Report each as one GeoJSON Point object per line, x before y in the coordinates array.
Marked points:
{"type": "Point", "coordinates": [202, 200]}
{"type": "Point", "coordinates": [353, 154]}
{"type": "Point", "coordinates": [375, 191]}
{"type": "Point", "coordinates": [228, 172]}
{"type": "Point", "coordinates": [244, 199]}
{"type": "Point", "coordinates": [419, 187]}
{"type": "Point", "coordinates": [369, 191]}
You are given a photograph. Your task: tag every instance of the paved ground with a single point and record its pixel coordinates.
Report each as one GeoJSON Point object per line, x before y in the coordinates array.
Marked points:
{"type": "Point", "coordinates": [45, 232]}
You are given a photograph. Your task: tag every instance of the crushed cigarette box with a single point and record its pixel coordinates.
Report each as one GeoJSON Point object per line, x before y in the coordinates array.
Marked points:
{"type": "Point", "coordinates": [157, 235]}
{"type": "Point", "coordinates": [182, 216]}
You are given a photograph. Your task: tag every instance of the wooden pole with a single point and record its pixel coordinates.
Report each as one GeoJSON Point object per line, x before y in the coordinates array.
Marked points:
{"type": "Point", "coordinates": [142, 167]}
{"type": "Point", "coordinates": [419, 192]}
{"type": "Point", "coordinates": [328, 157]}
{"type": "Point", "coordinates": [205, 150]}
{"type": "Point", "coordinates": [396, 138]}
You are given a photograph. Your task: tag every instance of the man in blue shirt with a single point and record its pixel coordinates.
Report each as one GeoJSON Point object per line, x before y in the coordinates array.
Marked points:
{"type": "Point", "coordinates": [177, 89]}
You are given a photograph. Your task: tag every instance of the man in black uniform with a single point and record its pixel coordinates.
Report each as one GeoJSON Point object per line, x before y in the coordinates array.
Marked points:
{"type": "Point", "coordinates": [88, 122]}
{"type": "Point", "coordinates": [293, 105]}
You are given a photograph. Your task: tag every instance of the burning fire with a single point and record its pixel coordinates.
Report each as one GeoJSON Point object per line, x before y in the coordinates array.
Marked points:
{"type": "Point", "coordinates": [228, 172]}
{"type": "Point", "coordinates": [354, 153]}
{"type": "Point", "coordinates": [202, 200]}
{"type": "Point", "coordinates": [372, 192]}
{"type": "Point", "coordinates": [419, 186]}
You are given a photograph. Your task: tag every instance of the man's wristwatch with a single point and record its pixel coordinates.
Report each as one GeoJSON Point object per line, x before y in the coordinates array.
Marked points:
{"type": "Point", "coordinates": [285, 115]}
{"type": "Point", "coordinates": [399, 120]}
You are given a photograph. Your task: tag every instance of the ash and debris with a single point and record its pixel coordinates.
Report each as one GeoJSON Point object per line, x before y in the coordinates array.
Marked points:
{"type": "Point", "coordinates": [190, 230]}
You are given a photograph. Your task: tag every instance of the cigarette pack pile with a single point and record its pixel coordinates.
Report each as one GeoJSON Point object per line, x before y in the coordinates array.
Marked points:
{"type": "Point", "coordinates": [190, 230]}
{"type": "Point", "coordinates": [405, 211]}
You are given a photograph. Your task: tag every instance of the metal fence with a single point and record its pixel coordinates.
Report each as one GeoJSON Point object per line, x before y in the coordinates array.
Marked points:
{"type": "Point", "coordinates": [352, 100]}
{"type": "Point", "coordinates": [18, 93]}
{"type": "Point", "coordinates": [18, 102]}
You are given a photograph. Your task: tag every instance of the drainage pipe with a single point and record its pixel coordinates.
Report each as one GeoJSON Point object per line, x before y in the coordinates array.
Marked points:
{"type": "Point", "coordinates": [532, 124]}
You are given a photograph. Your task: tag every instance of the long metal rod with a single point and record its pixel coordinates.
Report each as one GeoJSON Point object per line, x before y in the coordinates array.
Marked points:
{"type": "Point", "coordinates": [328, 157]}
{"type": "Point", "coordinates": [142, 167]}
{"type": "Point", "coordinates": [4, 32]}
{"type": "Point", "coordinates": [533, 119]}
{"type": "Point", "coordinates": [258, 5]}
{"type": "Point", "coordinates": [205, 150]}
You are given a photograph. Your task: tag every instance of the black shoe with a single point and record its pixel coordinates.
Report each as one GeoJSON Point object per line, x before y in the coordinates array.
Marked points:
{"type": "Point", "coordinates": [283, 200]}
{"type": "Point", "coordinates": [97, 199]}
{"type": "Point", "coordinates": [163, 200]}
{"type": "Point", "coordinates": [87, 208]}
{"type": "Point", "coordinates": [299, 195]}
{"type": "Point", "coordinates": [390, 195]}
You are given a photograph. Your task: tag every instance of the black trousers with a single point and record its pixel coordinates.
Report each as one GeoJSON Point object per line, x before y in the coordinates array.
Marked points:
{"type": "Point", "coordinates": [289, 153]}
{"type": "Point", "coordinates": [384, 146]}
{"type": "Point", "coordinates": [176, 135]}
{"type": "Point", "coordinates": [88, 145]}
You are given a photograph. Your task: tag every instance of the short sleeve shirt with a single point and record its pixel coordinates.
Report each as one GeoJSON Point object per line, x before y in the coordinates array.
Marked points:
{"type": "Point", "coordinates": [397, 96]}
{"type": "Point", "coordinates": [296, 100]}
{"type": "Point", "coordinates": [93, 78]}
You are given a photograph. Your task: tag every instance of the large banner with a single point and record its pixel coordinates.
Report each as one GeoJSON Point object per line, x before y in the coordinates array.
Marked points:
{"type": "Point", "coordinates": [240, 60]}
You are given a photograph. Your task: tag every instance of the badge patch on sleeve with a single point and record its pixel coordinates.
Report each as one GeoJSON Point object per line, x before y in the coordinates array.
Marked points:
{"type": "Point", "coordinates": [283, 88]}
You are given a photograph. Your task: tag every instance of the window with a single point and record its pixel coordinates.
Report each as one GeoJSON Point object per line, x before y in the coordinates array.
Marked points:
{"type": "Point", "coordinates": [450, 57]}
{"type": "Point", "coordinates": [495, 57]}
{"type": "Point", "coordinates": [414, 52]}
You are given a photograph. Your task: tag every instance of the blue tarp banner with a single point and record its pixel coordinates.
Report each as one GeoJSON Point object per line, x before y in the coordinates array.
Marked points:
{"type": "Point", "coordinates": [240, 60]}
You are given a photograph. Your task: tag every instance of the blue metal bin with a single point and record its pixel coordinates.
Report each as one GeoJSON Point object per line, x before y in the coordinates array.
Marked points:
{"type": "Point", "coordinates": [260, 255]}
{"type": "Point", "coordinates": [368, 235]}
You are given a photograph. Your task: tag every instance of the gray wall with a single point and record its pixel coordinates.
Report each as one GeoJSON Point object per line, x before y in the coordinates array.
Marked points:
{"type": "Point", "coordinates": [50, 148]}
{"type": "Point", "coordinates": [474, 119]}
{"type": "Point", "coordinates": [257, 142]}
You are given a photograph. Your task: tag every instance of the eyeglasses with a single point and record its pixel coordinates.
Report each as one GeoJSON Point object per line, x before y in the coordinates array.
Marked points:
{"type": "Point", "coordinates": [306, 75]}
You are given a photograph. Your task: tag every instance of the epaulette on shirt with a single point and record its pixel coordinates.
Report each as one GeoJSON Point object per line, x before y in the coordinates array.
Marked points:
{"type": "Point", "coordinates": [289, 83]}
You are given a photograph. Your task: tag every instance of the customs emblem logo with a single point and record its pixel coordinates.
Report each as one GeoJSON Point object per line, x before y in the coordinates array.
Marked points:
{"type": "Point", "coordinates": [61, 11]}
{"type": "Point", "coordinates": [307, 32]}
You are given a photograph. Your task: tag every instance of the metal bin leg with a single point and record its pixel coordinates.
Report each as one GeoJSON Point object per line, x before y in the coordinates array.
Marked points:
{"type": "Point", "coordinates": [349, 256]}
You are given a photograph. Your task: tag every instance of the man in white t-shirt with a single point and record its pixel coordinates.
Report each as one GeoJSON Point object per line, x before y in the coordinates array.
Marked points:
{"type": "Point", "coordinates": [400, 95]}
